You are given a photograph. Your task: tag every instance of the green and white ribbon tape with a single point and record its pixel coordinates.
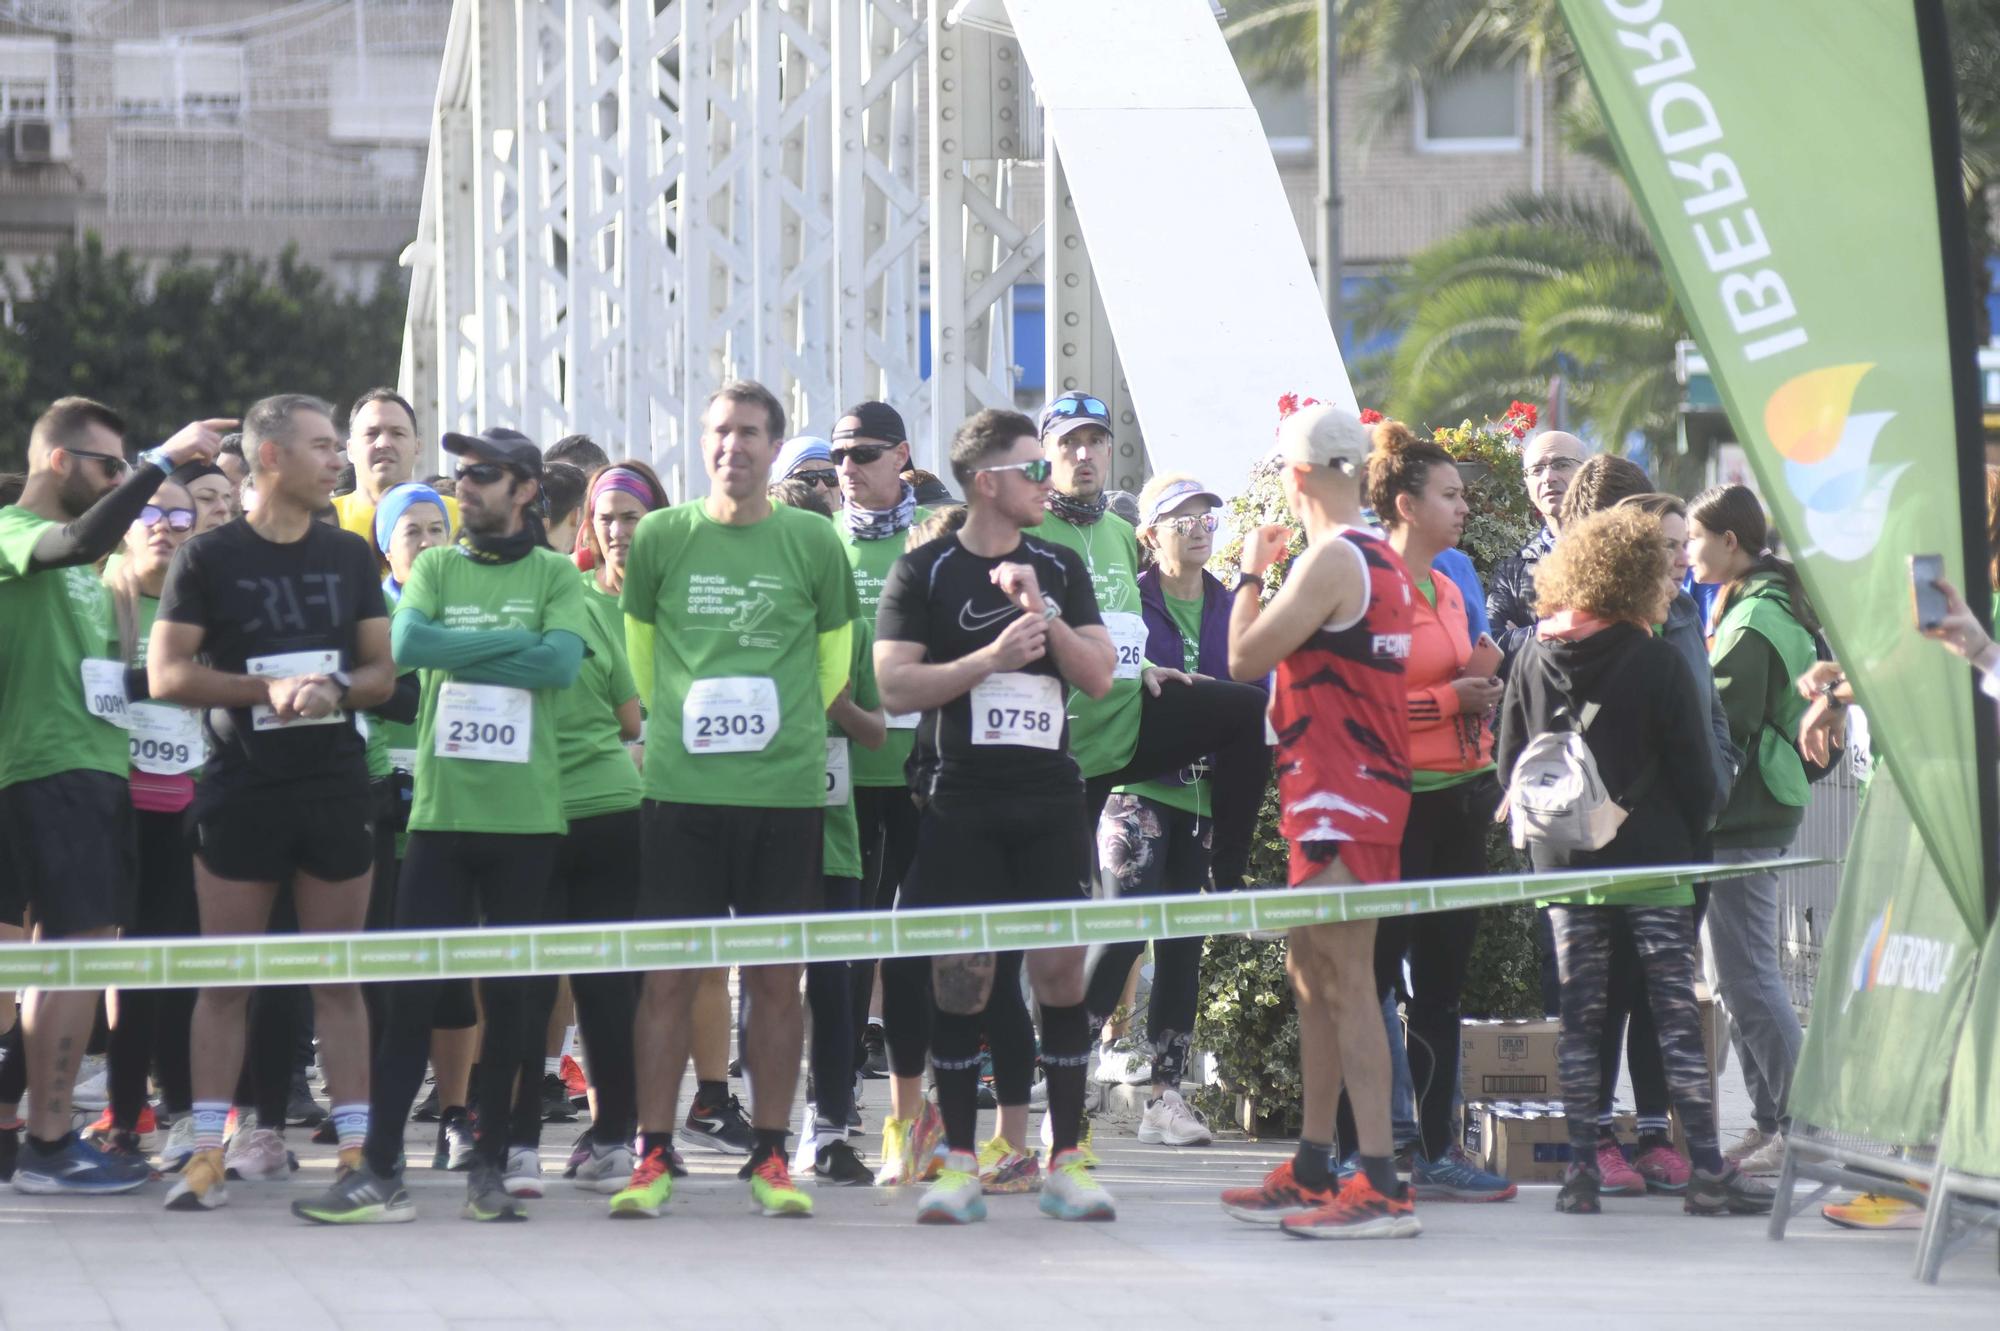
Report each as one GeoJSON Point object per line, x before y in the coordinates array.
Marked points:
{"type": "Point", "coordinates": [563, 949]}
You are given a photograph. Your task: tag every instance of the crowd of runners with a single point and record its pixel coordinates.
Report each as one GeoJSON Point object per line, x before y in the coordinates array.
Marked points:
{"type": "Point", "coordinates": [260, 678]}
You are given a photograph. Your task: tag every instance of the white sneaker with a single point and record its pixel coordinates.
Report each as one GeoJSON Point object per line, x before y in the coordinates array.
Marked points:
{"type": "Point", "coordinates": [256, 1155]}
{"type": "Point", "coordinates": [93, 1084]}
{"type": "Point", "coordinates": [524, 1172]}
{"type": "Point", "coordinates": [1170, 1121]}
{"type": "Point", "coordinates": [607, 1170]}
{"type": "Point", "coordinates": [1747, 1145]}
{"type": "Point", "coordinates": [1122, 1064]}
{"type": "Point", "coordinates": [1766, 1159]}
{"type": "Point", "coordinates": [180, 1145]}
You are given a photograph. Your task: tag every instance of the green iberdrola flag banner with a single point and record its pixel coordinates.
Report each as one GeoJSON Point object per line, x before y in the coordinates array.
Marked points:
{"type": "Point", "coordinates": [1895, 969]}
{"type": "Point", "coordinates": [1782, 155]}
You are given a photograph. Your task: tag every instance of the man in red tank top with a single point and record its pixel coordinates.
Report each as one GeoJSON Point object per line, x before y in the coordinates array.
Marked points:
{"type": "Point", "coordinates": [1337, 635]}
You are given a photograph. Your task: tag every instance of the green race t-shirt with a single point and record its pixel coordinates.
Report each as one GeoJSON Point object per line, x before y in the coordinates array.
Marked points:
{"type": "Point", "coordinates": [467, 794]}
{"type": "Point", "coordinates": [871, 561]}
{"type": "Point", "coordinates": [51, 623]}
{"type": "Point", "coordinates": [1191, 798]}
{"type": "Point", "coordinates": [841, 852]}
{"type": "Point", "coordinates": [734, 714]}
{"type": "Point", "coordinates": [1104, 731]}
{"type": "Point", "coordinates": [597, 771]}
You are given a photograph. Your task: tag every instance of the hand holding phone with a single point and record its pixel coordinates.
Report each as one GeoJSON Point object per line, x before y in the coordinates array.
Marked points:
{"type": "Point", "coordinates": [1485, 659]}
{"type": "Point", "coordinates": [1925, 570]}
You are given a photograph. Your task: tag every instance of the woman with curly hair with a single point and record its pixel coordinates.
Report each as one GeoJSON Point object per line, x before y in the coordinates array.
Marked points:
{"type": "Point", "coordinates": [1594, 665]}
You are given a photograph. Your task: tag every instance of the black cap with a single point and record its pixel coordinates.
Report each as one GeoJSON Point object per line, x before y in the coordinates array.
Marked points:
{"type": "Point", "coordinates": [499, 444]}
{"type": "Point", "coordinates": [872, 420]}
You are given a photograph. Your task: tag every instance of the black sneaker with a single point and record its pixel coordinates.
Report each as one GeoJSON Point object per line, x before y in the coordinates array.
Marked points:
{"type": "Point", "coordinates": [837, 1164]}
{"type": "Point", "coordinates": [486, 1195]}
{"type": "Point", "coordinates": [722, 1127]}
{"type": "Point", "coordinates": [300, 1107]}
{"type": "Point", "coordinates": [454, 1141]}
{"type": "Point", "coordinates": [428, 1111]}
{"type": "Point", "coordinates": [1579, 1192]}
{"type": "Point", "coordinates": [854, 1121]}
{"type": "Point", "coordinates": [555, 1100]}
{"type": "Point", "coordinates": [326, 1134]}
{"type": "Point", "coordinates": [10, 1151]}
{"type": "Point", "coordinates": [1732, 1192]}
{"type": "Point", "coordinates": [874, 1053]}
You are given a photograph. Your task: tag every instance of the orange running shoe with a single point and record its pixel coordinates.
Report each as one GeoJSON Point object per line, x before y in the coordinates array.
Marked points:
{"type": "Point", "coordinates": [1359, 1212]}
{"type": "Point", "coordinates": [148, 1129]}
{"type": "Point", "coordinates": [573, 1079]}
{"type": "Point", "coordinates": [1280, 1195]}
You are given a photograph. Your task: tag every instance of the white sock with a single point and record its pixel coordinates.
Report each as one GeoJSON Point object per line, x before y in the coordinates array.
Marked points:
{"type": "Point", "coordinates": [552, 1064]}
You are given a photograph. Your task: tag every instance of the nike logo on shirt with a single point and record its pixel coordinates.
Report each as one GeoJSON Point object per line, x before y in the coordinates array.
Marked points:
{"type": "Point", "coordinates": [979, 623]}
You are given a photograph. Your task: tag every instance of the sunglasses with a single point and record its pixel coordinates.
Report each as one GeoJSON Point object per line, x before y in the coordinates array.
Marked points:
{"type": "Point", "coordinates": [178, 519]}
{"type": "Point", "coordinates": [863, 454]}
{"type": "Point", "coordinates": [1037, 471]}
{"type": "Point", "coordinates": [1191, 523]}
{"type": "Point", "coordinates": [1067, 406]}
{"type": "Point", "coordinates": [112, 463]}
{"type": "Point", "coordinates": [484, 473]}
{"type": "Point", "coordinates": [829, 478]}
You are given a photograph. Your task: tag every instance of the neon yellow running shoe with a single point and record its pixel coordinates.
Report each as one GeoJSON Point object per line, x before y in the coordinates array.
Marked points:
{"type": "Point", "coordinates": [651, 1186]}
{"type": "Point", "coordinates": [771, 1187]}
{"type": "Point", "coordinates": [1872, 1210]}
{"type": "Point", "coordinates": [1006, 1168]}
{"type": "Point", "coordinates": [896, 1168]}
{"type": "Point", "coordinates": [1090, 1160]}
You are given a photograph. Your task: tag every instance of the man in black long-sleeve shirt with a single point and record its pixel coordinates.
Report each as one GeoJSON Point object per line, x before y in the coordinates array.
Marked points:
{"type": "Point", "coordinates": [64, 808]}
{"type": "Point", "coordinates": [1548, 461]}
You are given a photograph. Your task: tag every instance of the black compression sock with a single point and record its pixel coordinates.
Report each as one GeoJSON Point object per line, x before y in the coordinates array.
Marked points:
{"type": "Point", "coordinates": [1381, 1172]}
{"type": "Point", "coordinates": [713, 1094]}
{"type": "Point", "coordinates": [769, 1141]}
{"type": "Point", "coordinates": [663, 1142]}
{"type": "Point", "coordinates": [955, 1057]}
{"type": "Point", "coordinates": [1066, 1056]}
{"type": "Point", "coordinates": [1312, 1165]}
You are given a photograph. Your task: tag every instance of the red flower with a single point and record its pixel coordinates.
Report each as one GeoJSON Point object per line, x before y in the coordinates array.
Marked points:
{"type": "Point", "coordinates": [1524, 412]}
{"type": "Point", "coordinates": [1287, 404]}
{"type": "Point", "coordinates": [1370, 416]}
{"type": "Point", "coordinates": [1520, 432]}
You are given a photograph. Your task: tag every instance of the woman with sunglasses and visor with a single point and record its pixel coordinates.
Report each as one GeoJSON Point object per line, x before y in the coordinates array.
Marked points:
{"type": "Point", "coordinates": [1154, 836]}
{"type": "Point", "coordinates": [167, 749]}
{"type": "Point", "coordinates": [808, 458]}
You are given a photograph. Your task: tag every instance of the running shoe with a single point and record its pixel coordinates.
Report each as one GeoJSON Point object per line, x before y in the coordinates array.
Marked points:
{"type": "Point", "coordinates": [649, 1189]}
{"type": "Point", "coordinates": [454, 1141]}
{"type": "Point", "coordinates": [1279, 1195]}
{"type": "Point", "coordinates": [1090, 1160]}
{"type": "Point", "coordinates": [1732, 1192]}
{"type": "Point", "coordinates": [927, 1146]}
{"type": "Point", "coordinates": [1456, 1179]}
{"type": "Point", "coordinates": [148, 1130]}
{"type": "Point", "coordinates": [897, 1166]}
{"type": "Point", "coordinates": [874, 1053]}
{"type": "Point", "coordinates": [258, 1155]}
{"type": "Point", "coordinates": [326, 1134]}
{"type": "Point", "coordinates": [1616, 1176]}
{"type": "Point", "coordinates": [723, 1127]}
{"type": "Point", "coordinates": [1766, 1159]}
{"type": "Point", "coordinates": [854, 1124]}
{"type": "Point", "coordinates": [179, 1148]}
{"type": "Point", "coordinates": [603, 1168]}
{"type": "Point", "coordinates": [837, 1164]}
{"type": "Point", "coordinates": [125, 1144]}
{"type": "Point", "coordinates": [486, 1196]}
{"type": "Point", "coordinates": [75, 1167]}
{"type": "Point", "coordinates": [988, 1098]}
{"type": "Point", "coordinates": [300, 1106]}
{"type": "Point", "coordinates": [1358, 1212]}
{"type": "Point", "coordinates": [1663, 1168]}
{"type": "Point", "coordinates": [523, 1175]}
{"type": "Point", "coordinates": [555, 1100]}
{"type": "Point", "coordinates": [574, 1081]}
{"type": "Point", "coordinates": [362, 1197]}
{"type": "Point", "coordinates": [1124, 1063]}
{"type": "Point", "coordinates": [772, 1189]}
{"type": "Point", "coordinates": [1006, 1168]}
{"type": "Point", "coordinates": [1747, 1145]}
{"type": "Point", "coordinates": [10, 1152]}
{"type": "Point", "coordinates": [1579, 1192]}
{"type": "Point", "coordinates": [1070, 1193]}
{"type": "Point", "coordinates": [93, 1083]}
{"type": "Point", "coordinates": [200, 1186]}
{"type": "Point", "coordinates": [954, 1197]}
{"type": "Point", "coordinates": [1171, 1121]}
{"type": "Point", "coordinates": [1873, 1210]}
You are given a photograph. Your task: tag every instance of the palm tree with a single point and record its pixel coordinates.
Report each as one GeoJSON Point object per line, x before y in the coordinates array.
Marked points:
{"type": "Point", "coordinates": [1532, 288]}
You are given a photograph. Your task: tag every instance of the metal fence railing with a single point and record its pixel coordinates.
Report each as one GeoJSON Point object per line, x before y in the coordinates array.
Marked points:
{"type": "Point", "coordinates": [1806, 896]}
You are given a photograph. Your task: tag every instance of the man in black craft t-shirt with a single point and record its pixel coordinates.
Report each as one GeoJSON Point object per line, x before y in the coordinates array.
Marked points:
{"type": "Point", "coordinates": [276, 625]}
{"type": "Point", "coordinates": [980, 631]}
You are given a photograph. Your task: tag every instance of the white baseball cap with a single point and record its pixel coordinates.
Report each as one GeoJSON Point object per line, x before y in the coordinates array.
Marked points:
{"type": "Point", "coordinates": [1323, 436]}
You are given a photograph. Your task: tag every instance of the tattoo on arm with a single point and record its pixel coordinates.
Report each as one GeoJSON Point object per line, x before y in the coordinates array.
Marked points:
{"type": "Point", "coordinates": [963, 983]}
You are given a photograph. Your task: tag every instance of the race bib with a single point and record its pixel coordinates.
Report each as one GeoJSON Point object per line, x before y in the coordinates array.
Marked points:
{"type": "Point", "coordinates": [904, 720]}
{"type": "Point", "coordinates": [486, 723]}
{"type": "Point", "coordinates": [839, 775]}
{"type": "Point", "coordinates": [403, 760]}
{"type": "Point", "coordinates": [1013, 708]}
{"type": "Point", "coordinates": [285, 665]}
{"type": "Point", "coordinates": [166, 741]}
{"type": "Point", "coordinates": [732, 714]}
{"type": "Point", "coordinates": [1128, 635]}
{"type": "Point", "coordinates": [104, 692]}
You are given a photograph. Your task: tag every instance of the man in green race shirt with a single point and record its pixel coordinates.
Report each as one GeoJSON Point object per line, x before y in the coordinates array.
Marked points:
{"type": "Point", "coordinates": [65, 805]}
{"type": "Point", "coordinates": [497, 624]}
{"type": "Point", "coordinates": [871, 448]}
{"type": "Point", "coordinates": [739, 617]}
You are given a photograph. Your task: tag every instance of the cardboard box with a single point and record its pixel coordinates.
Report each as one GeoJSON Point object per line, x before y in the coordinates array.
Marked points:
{"type": "Point", "coordinates": [1508, 1060]}
{"type": "Point", "coordinates": [1528, 1141]}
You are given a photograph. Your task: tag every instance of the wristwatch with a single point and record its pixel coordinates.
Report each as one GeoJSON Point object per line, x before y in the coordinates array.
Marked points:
{"type": "Point", "coordinates": [157, 457]}
{"type": "Point", "coordinates": [1050, 610]}
{"type": "Point", "coordinates": [343, 682]}
{"type": "Point", "coordinates": [1246, 580]}
{"type": "Point", "coordinates": [1826, 692]}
